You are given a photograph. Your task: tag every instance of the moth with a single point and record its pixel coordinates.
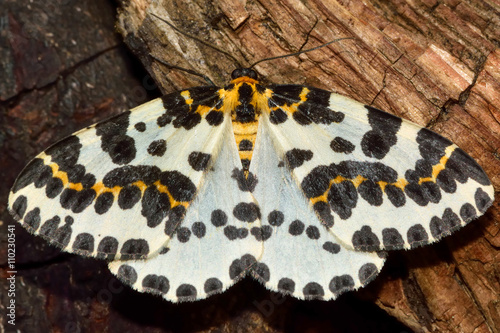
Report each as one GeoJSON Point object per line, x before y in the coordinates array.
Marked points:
{"type": "Point", "coordinates": [296, 186]}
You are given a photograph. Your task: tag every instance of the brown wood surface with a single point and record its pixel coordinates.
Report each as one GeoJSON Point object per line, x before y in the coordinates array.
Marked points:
{"type": "Point", "coordinates": [436, 63]}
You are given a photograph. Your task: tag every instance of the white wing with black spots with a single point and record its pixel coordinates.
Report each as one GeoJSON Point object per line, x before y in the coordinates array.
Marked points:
{"type": "Point", "coordinates": [118, 189]}
{"type": "Point", "coordinates": [379, 182]}
{"type": "Point", "coordinates": [301, 256]}
{"type": "Point", "coordinates": [213, 247]}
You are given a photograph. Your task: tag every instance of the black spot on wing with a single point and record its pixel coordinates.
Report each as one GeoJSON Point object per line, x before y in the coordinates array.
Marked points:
{"type": "Point", "coordinates": [342, 198]}
{"type": "Point", "coordinates": [431, 145]}
{"type": "Point", "coordinates": [114, 139]}
{"type": "Point", "coordinates": [30, 174]}
{"type": "Point", "coordinates": [316, 109]}
{"type": "Point", "coordinates": [130, 174]}
{"type": "Point", "coordinates": [324, 212]}
{"type": "Point", "coordinates": [45, 176]}
{"type": "Point", "coordinates": [140, 126]}
{"type": "Point", "coordinates": [214, 118]}
{"type": "Point", "coordinates": [446, 181]}
{"type": "Point", "coordinates": [468, 212]}
{"type": "Point", "coordinates": [107, 248]}
{"type": "Point", "coordinates": [277, 116]}
{"type": "Point", "coordinates": [180, 187]}
{"type": "Point", "coordinates": [175, 217]}
{"type": "Point", "coordinates": [371, 192]}
{"type": "Point", "coordinates": [54, 187]}
{"type": "Point", "coordinates": [260, 271]}
{"type": "Point", "coordinates": [262, 233]}
{"type": "Point", "coordinates": [245, 183]}
{"type": "Point", "coordinates": [331, 247]}
{"type": "Point", "coordinates": [392, 239]}
{"type": "Point", "coordinates": [198, 160]}
{"type": "Point", "coordinates": [187, 120]}
{"type": "Point", "coordinates": [183, 234]}
{"type": "Point", "coordinates": [395, 195]}
{"type": "Point", "coordinates": [239, 267]}
{"type": "Point", "coordinates": [316, 182]}
{"type": "Point", "coordinates": [341, 284]}
{"type": "Point", "coordinates": [483, 200]}
{"type": "Point", "coordinates": [127, 274]}
{"type": "Point", "coordinates": [313, 291]}
{"type": "Point", "coordinates": [367, 273]}
{"type": "Point", "coordinates": [276, 218]}
{"type": "Point", "coordinates": [48, 227]}
{"type": "Point", "coordinates": [365, 240]}
{"type": "Point", "coordinates": [232, 233]}
{"type": "Point", "coordinates": [83, 199]}
{"type": "Point", "coordinates": [134, 249]}
{"type": "Point", "coordinates": [296, 157]}
{"type": "Point", "coordinates": [19, 206]}
{"type": "Point", "coordinates": [313, 232]}
{"type": "Point", "coordinates": [32, 219]}
{"type": "Point", "coordinates": [218, 218]}
{"type": "Point", "coordinates": [180, 114]}
{"type": "Point", "coordinates": [296, 228]}
{"type": "Point", "coordinates": [103, 202]}
{"type": "Point", "coordinates": [377, 142]}
{"type": "Point", "coordinates": [68, 198]}
{"type": "Point", "coordinates": [247, 212]}
{"type": "Point", "coordinates": [62, 235]}
{"type": "Point", "coordinates": [157, 148]}
{"type": "Point", "coordinates": [286, 286]}
{"type": "Point", "coordinates": [155, 206]}
{"type": "Point", "coordinates": [129, 196]}
{"type": "Point", "coordinates": [417, 236]}
{"type": "Point", "coordinates": [341, 145]}
{"type": "Point", "coordinates": [212, 286]}
{"type": "Point", "coordinates": [444, 226]}
{"type": "Point", "coordinates": [84, 243]}
{"type": "Point", "coordinates": [156, 284]}
{"type": "Point", "coordinates": [66, 152]}
{"type": "Point", "coordinates": [199, 229]}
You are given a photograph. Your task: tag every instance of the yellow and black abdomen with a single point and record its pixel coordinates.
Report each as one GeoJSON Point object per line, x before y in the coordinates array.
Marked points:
{"type": "Point", "coordinates": [243, 96]}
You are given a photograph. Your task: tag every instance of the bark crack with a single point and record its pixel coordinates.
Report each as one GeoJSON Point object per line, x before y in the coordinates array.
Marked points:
{"type": "Point", "coordinates": [465, 286]}
{"type": "Point", "coordinates": [62, 74]}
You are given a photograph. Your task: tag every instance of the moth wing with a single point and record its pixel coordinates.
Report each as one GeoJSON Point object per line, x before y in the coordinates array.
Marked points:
{"type": "Point", "coordinates": [301, 256]}
{"type": "Point", "coordinates": [120, 188]}
{"type": "Point", "coordinates": [213, 248]}
{"type": "Point", "coordinates": [376, 180]}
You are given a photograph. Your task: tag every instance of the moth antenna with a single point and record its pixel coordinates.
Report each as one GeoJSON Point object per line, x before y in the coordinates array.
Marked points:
{"type": "Point", "coordinates": [206, 78]}
{"type": "Point", "coordinates": [299, 52]}
{"type": "Point", "coordinates": [198, 39]}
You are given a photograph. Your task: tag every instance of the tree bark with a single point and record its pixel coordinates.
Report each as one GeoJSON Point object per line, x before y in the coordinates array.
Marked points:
{"type": "Point", "coordinates": [433, 62]}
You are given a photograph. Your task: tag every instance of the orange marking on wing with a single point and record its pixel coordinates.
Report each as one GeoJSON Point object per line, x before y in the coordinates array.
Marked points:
{"type": "Point", "coordinates": [440, 166]}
